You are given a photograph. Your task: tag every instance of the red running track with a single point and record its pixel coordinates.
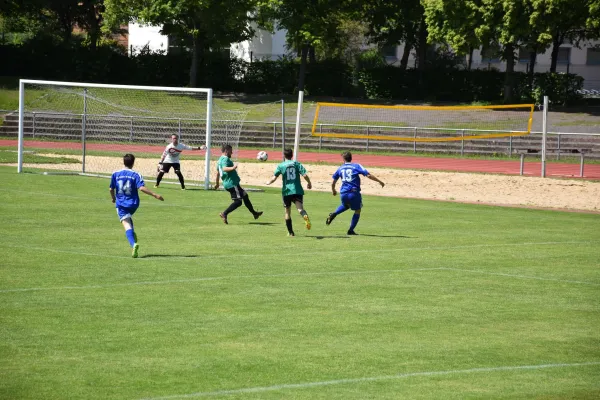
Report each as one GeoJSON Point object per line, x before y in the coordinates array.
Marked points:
{"type": "Point", "coordinates": [507, 167]}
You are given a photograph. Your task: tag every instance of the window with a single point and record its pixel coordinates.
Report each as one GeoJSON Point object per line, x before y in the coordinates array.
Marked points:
{"type": "Point", "coordinates": [593, 57]}
{"type": "Point", "coordinates": [564, 55]}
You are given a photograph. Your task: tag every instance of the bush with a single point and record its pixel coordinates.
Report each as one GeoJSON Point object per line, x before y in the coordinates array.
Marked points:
{"type": "Point", "coordinates": [43, 58]}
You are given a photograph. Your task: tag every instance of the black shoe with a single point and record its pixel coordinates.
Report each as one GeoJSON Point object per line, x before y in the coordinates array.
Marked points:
{"type": "Point", "coordinates": [329, 219]}
{"type": "Point", "coordinates": [257, 214]}
{"type": "Point", "coordinates": [351, 232]}
{"type": "Point", "coordinates": [291, 234]}
{"type": "Point", "coordinates": [223, 217]}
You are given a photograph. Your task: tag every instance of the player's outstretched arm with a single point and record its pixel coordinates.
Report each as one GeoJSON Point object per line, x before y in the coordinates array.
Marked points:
{"type": "Point", "coordinates": [308, 183]}
{"type": "Point", "coordinates": [333, 191]}
{"type": "Point", "coordinates": [151, 193]}
{"type": "Point", "coordinates": [374, 178]}
{"type": "Point", "coordinates": [217, 176]}
{"type": "Point", "coordinates": [273, 179]}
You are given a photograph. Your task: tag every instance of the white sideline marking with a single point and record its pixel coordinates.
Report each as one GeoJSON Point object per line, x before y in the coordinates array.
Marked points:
{"type": "Point", "coordinates": [217, 278]}
{"type": "Point", "coordinates": [520, 276]}
{"type": "Point", "coordinates": [260, 389]}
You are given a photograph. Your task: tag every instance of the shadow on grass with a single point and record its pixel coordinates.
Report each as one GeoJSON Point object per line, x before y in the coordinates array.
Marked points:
{"type": "Point", "coordinates": [263, 223]}
{"type": "Point", "coordinates": [330, 237]}
{"type": "Point", "coordinates": [169, 256]}
{"type": "Point", "coordinates": [362, 234]}
{"type": "Point", "coordinates": [385, 236]}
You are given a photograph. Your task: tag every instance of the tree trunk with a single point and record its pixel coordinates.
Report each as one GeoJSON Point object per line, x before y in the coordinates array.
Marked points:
{"type": "Point", "coordinates": [93, 25]}
{"type": "Point", "coordinates": [66, 25]}
{"type": "Point", "coordinates": [509, 56]}
{"type": "Point", "coordinates": [312, 58]}
{"type": "Point", "coordinates": [530, 71]}
{"type": "Point", "coordinates": [556, 42]}
{"type": "Point", "coordinates": [532, 60]}
{"type": "Point", "coordinates": [470, 59]}
{"type": "Point", "coordinates": [405, 54]}
{"type": "Point", "coordinates": [196, 50]}
{"type": "Point", "coordinates": [303, 57]}
{"type": "Point", "coordinates": [422, 46]}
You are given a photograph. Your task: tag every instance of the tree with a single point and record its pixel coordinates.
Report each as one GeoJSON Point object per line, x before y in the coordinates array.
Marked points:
{"type": "Point", "coordinates": [309, 24]}
{"type": "Point", "coordinates": [593, 19]}
{"type": "Point", "coordinates": [557, 21]}
{"type": "Point", "coordinates": [57, 17]}
{"type": "Point", "coordinates": [89, 18]}
{"type": "Point", "coordinates": [395, 21]}
{"type": "Point", "coordinates": [202, 24]}
{"type": "Point", "coordinates": [453, 22]}
{"type": "Point", "coordinates": [502, 23]}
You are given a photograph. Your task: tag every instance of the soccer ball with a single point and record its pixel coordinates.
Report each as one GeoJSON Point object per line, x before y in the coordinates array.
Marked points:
{"type": "Point", "coordinates": [262, 156]}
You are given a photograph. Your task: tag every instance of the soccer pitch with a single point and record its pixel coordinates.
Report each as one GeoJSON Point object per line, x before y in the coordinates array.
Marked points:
{"type": "Point", "coordinates": [432, 300]}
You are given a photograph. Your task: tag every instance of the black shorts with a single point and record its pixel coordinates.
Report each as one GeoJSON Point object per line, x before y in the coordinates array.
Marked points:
{"type": "Point", "coordinates": [236, 192]}
{"type": "Point", "coordinates": [166, 167]}
{"type": "Point", "coordinates": [292, 198]}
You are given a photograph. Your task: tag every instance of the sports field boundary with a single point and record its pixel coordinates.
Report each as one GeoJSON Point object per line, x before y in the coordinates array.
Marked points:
{"type": "Point", "coordinates": [346, 381]}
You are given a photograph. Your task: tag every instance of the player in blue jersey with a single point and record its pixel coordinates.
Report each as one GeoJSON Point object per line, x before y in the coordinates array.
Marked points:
{"type": "Point", "coordinates": [349, 173]}
{"type": "Point", "coordinates": [124, 186]}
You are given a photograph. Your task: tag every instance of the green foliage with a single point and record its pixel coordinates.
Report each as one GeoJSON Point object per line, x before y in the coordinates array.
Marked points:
{"type": "Point", "coordinates": [370, 58]}
{"type": "Point", "coordinates": [390, 21]}
{"type": "Point", "coordinates": [268, 76]}
{"type": "Point", "coordinates": [437, 85]}
{"type": "Point", "coordinates": [560, 88]}
{"type": "Point", "coordinates": [453, 22]}
{"type": "Point", "coordinates": [313, 23]}
{"type": "Point", "coordinates": [467, 86]}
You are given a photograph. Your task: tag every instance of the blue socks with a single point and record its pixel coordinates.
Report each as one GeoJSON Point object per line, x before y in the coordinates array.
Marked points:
{"type": "Point", "coordinates": [354, 221]}
{"type": "Point", "coordinates": [341, 208]}
{"type": "Point", "coordinates": [130, 236]}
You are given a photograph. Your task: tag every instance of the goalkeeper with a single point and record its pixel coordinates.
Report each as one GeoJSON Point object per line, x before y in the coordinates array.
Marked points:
{"type": "Point", "coordinates": [170, 158]}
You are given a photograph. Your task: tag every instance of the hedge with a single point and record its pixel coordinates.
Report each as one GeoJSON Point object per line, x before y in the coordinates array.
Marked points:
{"type": "Point", "coordinates": [331, 78]}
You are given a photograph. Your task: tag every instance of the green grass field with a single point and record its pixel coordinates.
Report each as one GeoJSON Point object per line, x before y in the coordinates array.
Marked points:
{"type": "Point", "coordinates": [432, 300]}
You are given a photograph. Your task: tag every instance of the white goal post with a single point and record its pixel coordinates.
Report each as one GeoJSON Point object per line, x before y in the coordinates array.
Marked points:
{"type": "Point", "coordinates": [117, 118]}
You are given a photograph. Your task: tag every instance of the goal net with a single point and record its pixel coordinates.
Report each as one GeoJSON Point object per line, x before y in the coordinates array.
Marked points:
{"type": "Point", "coordinates": [421, 123]}
{"type": "Point", "coordinates": [86, 128]}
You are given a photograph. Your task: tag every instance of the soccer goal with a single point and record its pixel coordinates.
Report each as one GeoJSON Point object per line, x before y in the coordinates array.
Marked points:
{"type": "Point", "coordinates": [421, 123]}
{"type": "Point", "coordinates": [87, 127]}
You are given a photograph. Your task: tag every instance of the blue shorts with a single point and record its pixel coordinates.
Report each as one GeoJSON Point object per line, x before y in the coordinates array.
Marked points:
{"type": "Point", "coordinates": [125, 212]}
{"type": "Point", "coordinates": [352, 200]}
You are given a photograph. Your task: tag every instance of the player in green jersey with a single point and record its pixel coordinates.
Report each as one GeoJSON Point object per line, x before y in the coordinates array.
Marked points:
{"type": "Point", "coordinates": [227, 171]}
{"type": "Point", "coordinates": [291, 190]}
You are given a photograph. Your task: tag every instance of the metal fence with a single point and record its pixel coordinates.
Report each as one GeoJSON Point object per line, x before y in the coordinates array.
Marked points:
{"type": "Point", "coordinates": [261, 134]}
